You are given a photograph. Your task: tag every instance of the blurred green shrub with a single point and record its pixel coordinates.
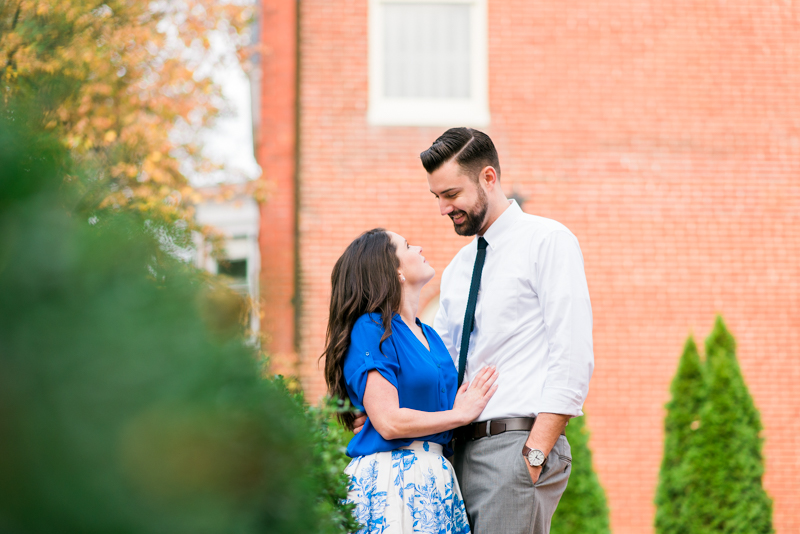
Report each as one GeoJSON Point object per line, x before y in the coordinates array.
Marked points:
{"type": "Point", "coordinates": [583, 508]}
{"type": "Point", "coordinates": [124, 406]}
{"type": "Point", "coordinates": [330, 459]}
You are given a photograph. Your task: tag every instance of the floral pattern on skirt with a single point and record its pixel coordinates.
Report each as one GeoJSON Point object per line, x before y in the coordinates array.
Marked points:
{"type": "Point", "coordinates": [408, 490]}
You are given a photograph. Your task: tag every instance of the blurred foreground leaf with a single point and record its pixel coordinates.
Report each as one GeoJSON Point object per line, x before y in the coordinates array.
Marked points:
{"type": "Point", "coordinates": [121, 410]}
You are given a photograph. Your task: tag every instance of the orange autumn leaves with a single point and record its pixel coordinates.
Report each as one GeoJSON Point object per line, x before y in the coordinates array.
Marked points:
{"type": "Point", "coordinates": [127, 91]}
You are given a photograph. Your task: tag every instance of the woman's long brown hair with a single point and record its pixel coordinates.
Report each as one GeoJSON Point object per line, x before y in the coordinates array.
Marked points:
{"type": "Point", "coordinates": [364, 280]}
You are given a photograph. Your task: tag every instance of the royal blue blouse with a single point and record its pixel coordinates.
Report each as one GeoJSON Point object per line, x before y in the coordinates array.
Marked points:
{"type": "Point", "coordinates": [425, 380]}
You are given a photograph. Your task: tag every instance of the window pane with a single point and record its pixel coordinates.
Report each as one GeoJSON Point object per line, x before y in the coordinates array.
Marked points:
{"type": "Point", "coordinates": [236, 270]}
{"type": "Point", "coordinates": [426, 50]}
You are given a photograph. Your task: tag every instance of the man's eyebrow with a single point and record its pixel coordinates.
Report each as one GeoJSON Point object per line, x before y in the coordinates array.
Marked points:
{"type": "Point", "coordinates": [445, 191]}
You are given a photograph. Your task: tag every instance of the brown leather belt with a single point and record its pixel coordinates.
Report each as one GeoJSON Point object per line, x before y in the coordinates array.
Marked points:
{"type": "Point", "coordinates": [485, 429]}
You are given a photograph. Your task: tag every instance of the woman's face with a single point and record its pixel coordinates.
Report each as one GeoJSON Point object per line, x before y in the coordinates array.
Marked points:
{"type": "Point", "coordinates": [413, 265]}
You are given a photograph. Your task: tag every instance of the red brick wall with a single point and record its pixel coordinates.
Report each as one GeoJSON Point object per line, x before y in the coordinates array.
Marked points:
{"type": "Point", "coordinates": [665, 135]}
{"type": "Point", "coordinates": [276, 145]}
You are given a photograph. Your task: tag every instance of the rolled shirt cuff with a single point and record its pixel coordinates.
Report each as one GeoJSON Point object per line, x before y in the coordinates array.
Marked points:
{"type": "Point", "coordinates": [562, 401]}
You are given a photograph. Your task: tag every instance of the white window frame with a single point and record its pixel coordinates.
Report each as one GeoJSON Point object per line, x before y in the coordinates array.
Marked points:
{"type": "Point", "coordinates": [239, 220]}
{"type": "Point", "coordinates": [472, 111]}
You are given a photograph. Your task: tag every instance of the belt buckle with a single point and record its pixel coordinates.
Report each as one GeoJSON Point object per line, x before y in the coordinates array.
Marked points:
{"type": "Point", "coordinates": [489, 428]}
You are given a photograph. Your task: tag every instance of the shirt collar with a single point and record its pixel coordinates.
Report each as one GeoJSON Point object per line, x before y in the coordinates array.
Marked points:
{"type": "Point", "coordinates": [511, 214]}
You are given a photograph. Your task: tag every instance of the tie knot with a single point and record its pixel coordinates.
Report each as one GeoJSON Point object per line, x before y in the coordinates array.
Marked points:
{"type": "Point", "coordinates": [482, 243]}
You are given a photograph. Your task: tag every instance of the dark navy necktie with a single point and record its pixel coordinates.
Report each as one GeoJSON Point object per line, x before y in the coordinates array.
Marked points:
{"type": "Point", "coordinates": [469, 315]}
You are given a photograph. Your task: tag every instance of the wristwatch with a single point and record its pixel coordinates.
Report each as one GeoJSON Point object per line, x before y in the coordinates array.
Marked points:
{"type": "Point", "coordinates": [535, 457]}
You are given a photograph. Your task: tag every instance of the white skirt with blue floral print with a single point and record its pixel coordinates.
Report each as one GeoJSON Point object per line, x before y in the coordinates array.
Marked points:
{"type": "Point", "coordinates": [411, 489]}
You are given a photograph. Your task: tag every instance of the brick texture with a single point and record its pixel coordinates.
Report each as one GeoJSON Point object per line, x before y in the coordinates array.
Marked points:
{"type": "Point", "coordinates": [276, 153]}
{"type": "Point", "coordinates": [665, 135]}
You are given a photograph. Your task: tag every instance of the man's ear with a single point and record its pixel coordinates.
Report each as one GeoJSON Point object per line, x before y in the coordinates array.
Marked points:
{"type": "Point", "coordinates": [489, 177]}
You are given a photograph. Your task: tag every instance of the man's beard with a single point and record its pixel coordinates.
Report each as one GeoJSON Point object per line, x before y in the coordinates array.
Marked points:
{"type": "Point", "coordinates": [473, 219]}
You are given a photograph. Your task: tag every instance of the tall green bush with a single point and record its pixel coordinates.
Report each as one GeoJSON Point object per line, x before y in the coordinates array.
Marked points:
{"type": "Point", "coordinates": [330, 440]}
{"type": "Point", "coordinates": [711, 475]}
{"type": "Point", "coordinates": [583, 508]}
{"type": "Point", "coordinates": [683, 414]}
{"type": "Point", "coordinates": [724, 465]}
{"type": "Point", "coordinates": [127, 402]}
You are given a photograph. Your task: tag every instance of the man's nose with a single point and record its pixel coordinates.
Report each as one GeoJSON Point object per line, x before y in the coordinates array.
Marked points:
{"type": "Point", "coordinates": [445, 207]}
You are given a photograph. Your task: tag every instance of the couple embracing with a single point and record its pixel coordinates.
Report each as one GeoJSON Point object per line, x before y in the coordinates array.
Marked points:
{"type": "Point", "coordinates": [491, 386]}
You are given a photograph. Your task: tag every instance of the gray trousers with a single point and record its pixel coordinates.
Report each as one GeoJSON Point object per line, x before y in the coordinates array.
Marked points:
{"type": "Point", "coordinates": [497, 488]}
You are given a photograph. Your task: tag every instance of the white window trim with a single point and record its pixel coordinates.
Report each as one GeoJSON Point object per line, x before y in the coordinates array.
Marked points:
{"type": "Point", "coordinates": [473, 111]}
{"type": "Point", "coordinates": [239, 220]}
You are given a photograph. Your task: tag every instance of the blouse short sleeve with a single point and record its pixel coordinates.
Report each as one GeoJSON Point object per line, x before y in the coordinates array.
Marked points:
{"type": "Point", "coordinates": [366, 354]}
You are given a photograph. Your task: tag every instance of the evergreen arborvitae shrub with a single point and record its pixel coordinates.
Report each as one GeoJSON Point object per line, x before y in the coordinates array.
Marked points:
{"type": "Point", "coordinates": [583, 508]}
{"type": "Point", "coordinates": [683, 414]}
{"type": "Point", "coordinates": [724, 467]}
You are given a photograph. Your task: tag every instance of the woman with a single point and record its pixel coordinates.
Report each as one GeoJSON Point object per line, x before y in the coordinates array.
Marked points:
{"type": "Point", "coordinates": [397, 370]}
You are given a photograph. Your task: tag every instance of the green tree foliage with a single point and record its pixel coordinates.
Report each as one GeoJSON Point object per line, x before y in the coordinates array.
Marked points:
{"type": "Point", "coordinates": [711, 476]}
{"type": "Point", "coordinates": [330, 459]}
{"type": "Point", "coordinates": [128, 88]}
{"type": "Point", "coordinates": [724, 465]}
{"type": "Point", "coordinates": [683, 414]}
{"type": "Point", "coordinates": [583, 508]}
{"type": "Point", "coordinates": [126, 404]}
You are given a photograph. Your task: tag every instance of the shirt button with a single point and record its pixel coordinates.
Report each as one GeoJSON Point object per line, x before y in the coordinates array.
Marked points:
{"type": "Point", "coordinates": [439, 365]}
{"type": "Point", "coordinates": [442, 390]}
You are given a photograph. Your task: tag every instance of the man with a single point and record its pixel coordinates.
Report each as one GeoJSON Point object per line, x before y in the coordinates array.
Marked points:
{"type": "Point", "coordinates": [515, 297]}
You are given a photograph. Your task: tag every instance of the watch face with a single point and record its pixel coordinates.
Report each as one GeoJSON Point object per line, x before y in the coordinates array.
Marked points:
{"type": "Point", "coordinates": [535, 458]}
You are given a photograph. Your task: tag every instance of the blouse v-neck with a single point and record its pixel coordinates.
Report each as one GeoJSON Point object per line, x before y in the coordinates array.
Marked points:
{"type": "Point", "coordinates": [422, 328]}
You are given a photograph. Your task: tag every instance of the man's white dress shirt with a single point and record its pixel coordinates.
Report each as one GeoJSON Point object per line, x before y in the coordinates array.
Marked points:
{"type": "Point", "coordinates": [533, 318]}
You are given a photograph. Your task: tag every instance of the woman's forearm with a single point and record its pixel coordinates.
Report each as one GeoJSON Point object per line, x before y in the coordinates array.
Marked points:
{"type": "Point", "coordinates": [382, 405]}
{"type": "Point", "coordinates": [408, 423]}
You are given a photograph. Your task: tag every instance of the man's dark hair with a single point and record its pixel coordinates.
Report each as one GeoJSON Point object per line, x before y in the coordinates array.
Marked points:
{"type": "Point", "coordinates": [472, 149]}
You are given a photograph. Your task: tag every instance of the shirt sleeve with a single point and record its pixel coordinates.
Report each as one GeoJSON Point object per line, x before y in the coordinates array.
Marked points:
{"type": "Point", "coordinates": [365, 354]}
{"type": "Point", "coordinates": [564, 297]}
